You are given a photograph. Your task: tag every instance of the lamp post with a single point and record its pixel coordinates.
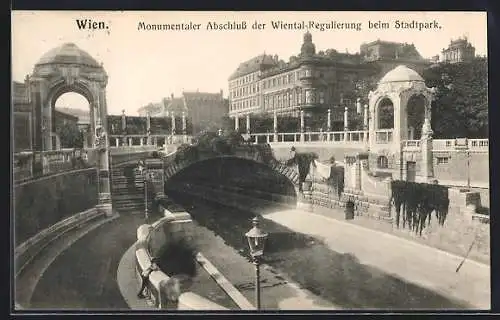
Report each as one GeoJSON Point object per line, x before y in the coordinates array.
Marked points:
{"type": "Point", "coordinates": [256, 240]}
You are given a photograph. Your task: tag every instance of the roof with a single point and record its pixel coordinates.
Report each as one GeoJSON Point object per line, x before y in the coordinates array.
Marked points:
{"type": "Point", "coordinates": [66, 115]}
{"type": "Point", "coordinates": [202, 96]}
{"type": "Point", "coordinates": [176, 105]}
{"type": "Point", "coordinates": [401, 73]}
{"type": "Point", "coordinates": [255, 64]}
{"type": "Point", "coordinates": [378, 41]}
{"type": "Point", "coordinates": [203, 99]}
{"type": "Point", "coordinates": [82, 115]}
{"type": "Point", "coordinates": [68, 53]}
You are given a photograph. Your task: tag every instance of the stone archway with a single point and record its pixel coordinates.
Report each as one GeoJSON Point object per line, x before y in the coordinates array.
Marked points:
{"type": "Point", "coordinates": [410, 98]}
{"type": "Point", "coordinates": [64, 69]}
{"type": "Point", "coordinates": [416, 114]}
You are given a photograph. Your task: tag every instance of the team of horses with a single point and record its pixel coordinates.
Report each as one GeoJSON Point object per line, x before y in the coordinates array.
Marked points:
{"type": "Point", "coordinates": [414, 204]}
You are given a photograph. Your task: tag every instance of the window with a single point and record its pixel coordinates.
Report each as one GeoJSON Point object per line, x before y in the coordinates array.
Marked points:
{"type": "Point", "coordinates": [442, 160]}
{"type": "Point", "coordinates": [382, 162]}
{"type": "Point", "coordinates": [321, 97]}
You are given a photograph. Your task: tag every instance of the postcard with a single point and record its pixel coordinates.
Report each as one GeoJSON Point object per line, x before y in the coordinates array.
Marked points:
{"type": "Point", "coordinates": [261, 161]}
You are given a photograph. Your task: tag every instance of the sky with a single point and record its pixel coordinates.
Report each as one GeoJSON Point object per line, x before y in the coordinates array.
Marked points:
{"type": "Point", "coordinates": [144, 66]}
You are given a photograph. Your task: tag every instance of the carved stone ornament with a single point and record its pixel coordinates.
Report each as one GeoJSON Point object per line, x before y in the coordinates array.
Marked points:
{"type": "Point", "coordinates": [427, 130]}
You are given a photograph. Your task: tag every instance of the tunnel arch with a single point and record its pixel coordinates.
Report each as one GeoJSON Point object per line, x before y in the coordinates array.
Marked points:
{"type": "Point", "coordinates": [237, 173]}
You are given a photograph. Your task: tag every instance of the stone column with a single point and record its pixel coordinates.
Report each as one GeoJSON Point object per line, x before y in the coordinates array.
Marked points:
{"type": "Point", "coordinates": [248, 123]}
{"type": "Point", "coordinates": [129, 142]}
{"type": "Point", "coordinates": [365, 123]}
{"type": "Point", "coordinates": [275, 127]}
{"type": "Point", "coordinates": [426, 168]}
{"type": "Point", "coordinates": [47, 128]}
{"type": "Point", "coordinates": [104, 203]}
{"type": "Point", "coordinates": [302, 126]}
{"type": "Point", "coordinates": [358, 106]}
{"type": "Point", "coordinates": [117, 142]}
{"type": "Point", "coordinates": [148, 128]}
{"type": "Point", "coordinates": [141, 141]}
{"type": "Point", "coordinates": [236, 123]}
{"type": "Point", "coordinates": [124, 127]}
{"type": "Point", "coordinates": [154, 169]}
{"type": "Point", "coordinates": [173, 124]}
{"type": "Point", "coordinates": [184, 124]}
{"type": "Point", "coordinates": [329, 121]}
{"type": "Point", "coordinates": [411, 133]}
{"type": "Point", "coordinates": [346, 122]}
{"type": "Point", "coordinates": [184, 127]}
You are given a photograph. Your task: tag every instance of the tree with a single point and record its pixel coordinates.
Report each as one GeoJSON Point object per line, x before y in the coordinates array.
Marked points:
{"type": "Point", "coordinates": [460, 108]}
{"type": "Point", "coordinates": [70, 135]}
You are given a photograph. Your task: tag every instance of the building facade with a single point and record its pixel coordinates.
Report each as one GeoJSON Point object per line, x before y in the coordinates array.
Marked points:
{"type": "Point", "coordinates": [22, 118]}
{"type": "Point", "coordinates": [460, 50]}
{"type": "Point", "coordinates": [314, 82]}
{"type": "Point", "coordinates": [203, 109]}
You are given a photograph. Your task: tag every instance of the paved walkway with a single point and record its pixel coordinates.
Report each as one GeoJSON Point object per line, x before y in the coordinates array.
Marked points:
{"type": "Point", "coordinates": [418, 264]}
{"type": "Point", "coordinates": [84, 275]}
{"type": "Point", "coordinates": [28, 279]}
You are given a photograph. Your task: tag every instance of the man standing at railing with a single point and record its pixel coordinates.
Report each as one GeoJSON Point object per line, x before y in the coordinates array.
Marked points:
{"type": "Point", "coordinates": [145, 276]}
{"type": "Point", "coordinates": [292, 153]}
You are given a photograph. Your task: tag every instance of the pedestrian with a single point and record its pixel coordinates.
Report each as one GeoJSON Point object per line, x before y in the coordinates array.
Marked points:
{"type": "Point", "coordinates": [145, 276]}
{"type": "Point", "coordinates": [140, 166]}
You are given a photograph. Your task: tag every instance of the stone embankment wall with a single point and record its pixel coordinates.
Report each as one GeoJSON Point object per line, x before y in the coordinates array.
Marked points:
{"type": "Point", "coordinates": [43, 202]}
{"type": "Point", "coordinates": [150, 238]}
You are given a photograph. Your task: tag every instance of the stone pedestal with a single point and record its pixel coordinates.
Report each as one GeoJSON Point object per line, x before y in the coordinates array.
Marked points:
{"type": "Point", "coordinates": [155, 174]}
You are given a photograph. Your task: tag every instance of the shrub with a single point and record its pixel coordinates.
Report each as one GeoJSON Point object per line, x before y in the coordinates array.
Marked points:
{"type": "Point", "coordinates": [178, 257]}
{"type": "Point", "coordinates": [416, 201]}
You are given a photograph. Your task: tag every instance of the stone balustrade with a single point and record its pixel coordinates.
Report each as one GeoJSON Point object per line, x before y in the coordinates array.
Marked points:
{"type": "Point", "coordinates": [156, 140]}
{"type": "Point", "coordinates": [310, 137]}
{"type": "Point", "coordinates": [451, 145]}
{"type": "Point", "coordinates": [53, 161]}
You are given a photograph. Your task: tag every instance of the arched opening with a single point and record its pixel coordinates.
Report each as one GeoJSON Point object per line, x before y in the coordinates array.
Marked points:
{"type": "Point", "coordinates": [71, 121]}
{"type": "Point", "coordinates": [385, 114]}
{"type": "Point", "coordinates": [223, 194]}
{"type": "Point", "coordinates": [382, 162]}
{"type": "Point", "coordinates": [236, 175]}
{"type": "Point", "coordinates": [416, 115]}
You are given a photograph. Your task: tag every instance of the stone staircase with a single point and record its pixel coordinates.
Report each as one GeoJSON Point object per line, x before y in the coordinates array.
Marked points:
{"type": "Point", "coordinates": [288, 172]}
{"type": "Point", "coordinates": [127, 193]}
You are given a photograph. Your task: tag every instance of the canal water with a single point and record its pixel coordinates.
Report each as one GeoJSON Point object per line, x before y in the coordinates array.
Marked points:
{"type": "Point", "coordinates": [335, 277]}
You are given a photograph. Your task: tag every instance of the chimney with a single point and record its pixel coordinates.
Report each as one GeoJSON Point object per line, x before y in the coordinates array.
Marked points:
{"type": "Point", "coordinates": [172, 96]}
{"type": "Point", "coordinates": [221, 93]}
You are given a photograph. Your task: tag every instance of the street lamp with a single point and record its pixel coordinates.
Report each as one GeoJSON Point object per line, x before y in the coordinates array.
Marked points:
{"type": "Point", "coordinates": [256, 241]}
